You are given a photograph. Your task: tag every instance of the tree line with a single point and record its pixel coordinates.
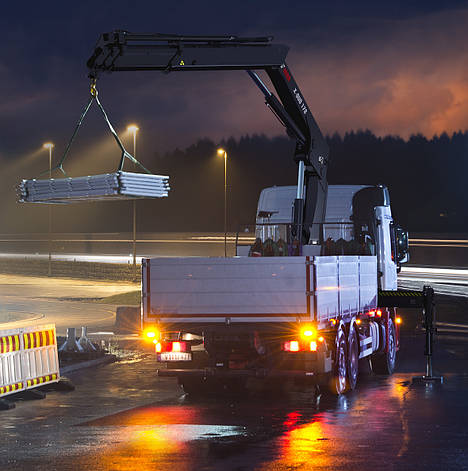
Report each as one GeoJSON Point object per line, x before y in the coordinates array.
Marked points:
{"type": "Point", "coordinates": [426, 177]}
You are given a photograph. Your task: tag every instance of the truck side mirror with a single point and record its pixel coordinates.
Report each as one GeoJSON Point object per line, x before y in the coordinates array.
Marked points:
{"type": "Point", "coordinates": [402, 243]}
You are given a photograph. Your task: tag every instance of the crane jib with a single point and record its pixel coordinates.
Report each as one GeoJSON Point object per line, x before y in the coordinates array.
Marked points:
{"type": "Point", "coordinates": [126, 51]}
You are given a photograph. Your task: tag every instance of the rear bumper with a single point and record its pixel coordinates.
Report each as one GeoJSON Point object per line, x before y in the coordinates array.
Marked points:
{"type": "Point", "coordinates": [225, 373]}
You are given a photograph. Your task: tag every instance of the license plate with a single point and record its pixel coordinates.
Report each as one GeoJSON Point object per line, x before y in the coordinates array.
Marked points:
{"type": "Point", "coordinates": [174, 356]}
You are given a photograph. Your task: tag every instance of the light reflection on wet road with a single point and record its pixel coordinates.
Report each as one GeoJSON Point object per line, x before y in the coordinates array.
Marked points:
{"type": "Point", "coordinates": [122, 417]}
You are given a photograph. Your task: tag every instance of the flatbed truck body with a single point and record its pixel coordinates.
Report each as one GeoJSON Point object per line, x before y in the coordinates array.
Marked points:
{"type": "Point", "coordinates": [228, 318]}
{"type": "Point", "coordinates": [194, 292]}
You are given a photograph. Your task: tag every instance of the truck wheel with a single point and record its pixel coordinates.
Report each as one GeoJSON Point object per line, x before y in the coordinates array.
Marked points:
{"type": "Point", "coordinates": [384, 363]}
{"type": "Point", "coordinates": [353, 358]}
{"type": "Point", "coordinates": [339, 378]}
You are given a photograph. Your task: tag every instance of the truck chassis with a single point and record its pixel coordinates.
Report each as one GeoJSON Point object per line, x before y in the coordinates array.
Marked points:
{"type": "Point", "coordinates": [331, 359]}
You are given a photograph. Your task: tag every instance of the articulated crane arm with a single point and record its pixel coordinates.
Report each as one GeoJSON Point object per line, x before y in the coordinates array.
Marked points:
{"type": "Point", "coordinates": [124, 51]}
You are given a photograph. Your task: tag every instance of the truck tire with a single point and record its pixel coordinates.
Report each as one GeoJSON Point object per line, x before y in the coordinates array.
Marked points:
{"type": "Point", "coordinates": [353, 358]}
{"type": "Point", "coordinates": [339, 380]}
{"type": "Point", "coordinates": [384, 363]}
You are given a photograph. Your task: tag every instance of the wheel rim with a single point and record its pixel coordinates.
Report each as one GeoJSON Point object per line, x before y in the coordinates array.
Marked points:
{"type": "Point", "coordinates": [353, 362]}
{"type": "Point", "coordinates": [341, 368]}
{"type": "Point", "coordinates": [391, 346]}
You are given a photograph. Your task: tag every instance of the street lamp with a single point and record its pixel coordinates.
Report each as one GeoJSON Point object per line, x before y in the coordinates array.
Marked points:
{"type": "Point", "coordinates": [223, 153]}
{"type": "Point", "coordinates": [50, 146]}
{"type": "Point", "coordinates": [133, 128]}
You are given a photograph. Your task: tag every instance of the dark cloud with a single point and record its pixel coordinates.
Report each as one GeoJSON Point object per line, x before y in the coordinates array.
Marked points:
{"type": "Point", "coordinates": [393, 67]}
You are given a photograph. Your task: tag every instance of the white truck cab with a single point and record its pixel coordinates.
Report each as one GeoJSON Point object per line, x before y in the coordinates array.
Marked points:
{"type": "Point", "coordinates": [359, 213]}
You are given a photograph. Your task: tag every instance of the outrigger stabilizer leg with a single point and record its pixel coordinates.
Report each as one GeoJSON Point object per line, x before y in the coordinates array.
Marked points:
{"type": "Point", "coordinates": [428, 311]}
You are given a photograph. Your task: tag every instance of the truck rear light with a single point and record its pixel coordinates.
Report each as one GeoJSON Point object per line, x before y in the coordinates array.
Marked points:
{"type": "Point", "coordinates": [297, 346]}
{"type": "Point", "coordinates": [398, 320]}
{"type": "Point", "coordinates": [292, 346]}
{"type": "Point", "coordinates": [308, 332]}
{"type": "Point", "coordinates": [379, 313]}
{"type": "Point", "coordinates": [176, 347]}
{"type": "Point", "coordinates": [150, 334]}
{"type": "Point", "coordinates": [171, 347]}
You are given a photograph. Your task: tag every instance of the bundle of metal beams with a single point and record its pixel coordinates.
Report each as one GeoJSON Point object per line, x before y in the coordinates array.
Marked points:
{"type": "Point", "coordinates": [107, 187]}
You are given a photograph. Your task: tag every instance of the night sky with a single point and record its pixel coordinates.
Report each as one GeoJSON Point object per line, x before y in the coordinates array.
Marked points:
{"type": "Point", "coordinates": [396, 67]}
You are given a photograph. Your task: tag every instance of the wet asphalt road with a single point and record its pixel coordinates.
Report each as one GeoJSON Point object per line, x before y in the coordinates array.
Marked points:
{"type": "Point", "coordinates": [42, 300]}
{"type": "Point", "coordinates": [122, 417]}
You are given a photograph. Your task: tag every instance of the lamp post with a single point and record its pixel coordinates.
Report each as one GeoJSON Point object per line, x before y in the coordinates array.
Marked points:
{"type": "Point", "coordinates": [50, 146]}
{"type": "Point", "coordinates": [134, 129]}
{"type": "Point", "coordinates": [223, 153]}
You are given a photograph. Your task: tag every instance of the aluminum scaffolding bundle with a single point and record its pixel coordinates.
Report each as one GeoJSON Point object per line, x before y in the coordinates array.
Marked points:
{"type": "Point", "coordinates": [107, 187]}
{"type": "Point", "coordinates": [119, 185]}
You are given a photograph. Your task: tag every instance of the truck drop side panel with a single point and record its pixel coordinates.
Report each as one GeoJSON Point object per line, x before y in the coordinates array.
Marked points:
{"type": "Point", "coordinates": [263, 289]}
{"type": "Point", "coordinates": [368, 284]}
{"type": "Point", "coordinates": [344, 286]}
{"type": "Point", "coordinates": [213, 289]}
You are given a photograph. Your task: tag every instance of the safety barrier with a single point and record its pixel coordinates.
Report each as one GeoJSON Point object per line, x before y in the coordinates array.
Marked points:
{"type": "Point", "coordinates": [28, 358]}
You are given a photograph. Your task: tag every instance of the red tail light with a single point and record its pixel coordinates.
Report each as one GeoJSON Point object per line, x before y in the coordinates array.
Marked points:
{"type": "Point", "coordinates": [172, 347]}
{"type": "Point", "coordinates": [178, 346]}
{"type": "Point", "coordinates": [292, 346]}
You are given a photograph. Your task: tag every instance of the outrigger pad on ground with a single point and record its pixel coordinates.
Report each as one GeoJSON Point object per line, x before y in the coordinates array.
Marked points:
{"type": "Point", "coordinates": [110, 186]}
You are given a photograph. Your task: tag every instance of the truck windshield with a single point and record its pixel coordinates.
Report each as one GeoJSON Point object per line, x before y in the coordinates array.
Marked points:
{"type": "Point", "coordinates": [275, 239]}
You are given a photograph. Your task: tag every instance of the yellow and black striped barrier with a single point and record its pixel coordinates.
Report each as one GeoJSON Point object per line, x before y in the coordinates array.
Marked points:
{"type": "Point", "coordinates": [28, 358]}
{"type": "Point", "coordinates": [401, 298]}
{"type": "Point", "coordinates": [9, 343]}
{"type": "Point", "coordinates": [36, 339]}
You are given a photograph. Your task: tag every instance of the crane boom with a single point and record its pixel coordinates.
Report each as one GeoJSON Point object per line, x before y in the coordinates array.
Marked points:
{"type": "Point", "coordinates": [124, 51]}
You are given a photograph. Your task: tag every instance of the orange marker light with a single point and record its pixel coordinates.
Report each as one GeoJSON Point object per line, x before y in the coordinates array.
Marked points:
{"type": "Point", "coordinates": [398, 320]}
{"type": "Point", "coordinates": [150, 334]}
{"type": "Point", "coordinates": [308, 332]}
{"type": "Point", "coordinates": [358, 321]}
{"type": "Point", "coordinates": [333, 321]}
{"type": "Point", "coordinates": [379, 313]}
{"type": "Point", "coordinates": [321, 339]}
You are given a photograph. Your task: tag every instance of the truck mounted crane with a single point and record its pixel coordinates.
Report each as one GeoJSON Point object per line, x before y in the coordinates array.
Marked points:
{"type": "Point", "coordinates": [311, 314]}
{"type": "Point", "coordinates": [124, 51]}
